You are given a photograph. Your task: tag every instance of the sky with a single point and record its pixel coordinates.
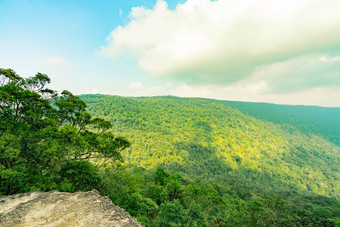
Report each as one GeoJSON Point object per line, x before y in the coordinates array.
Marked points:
{"type": "Point", "coordinates": [282, 51]}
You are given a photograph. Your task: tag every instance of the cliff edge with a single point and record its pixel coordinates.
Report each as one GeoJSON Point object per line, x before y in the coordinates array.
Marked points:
{"type": "Point", "coordinates": [62, 209]}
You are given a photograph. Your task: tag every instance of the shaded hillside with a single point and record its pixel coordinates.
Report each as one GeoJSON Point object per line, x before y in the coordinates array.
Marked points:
{"type": "Point", "coordinates": [212, 140]}
{"type": "Point", "coordinates": [309, 119]}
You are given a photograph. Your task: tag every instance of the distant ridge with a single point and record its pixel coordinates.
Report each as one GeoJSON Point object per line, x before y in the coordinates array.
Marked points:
{"type": "Point", "coordinates": [323, 121]}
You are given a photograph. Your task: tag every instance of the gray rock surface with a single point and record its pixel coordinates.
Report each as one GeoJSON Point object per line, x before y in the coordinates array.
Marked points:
{"type": "Point", "coordinates": [62, 209]}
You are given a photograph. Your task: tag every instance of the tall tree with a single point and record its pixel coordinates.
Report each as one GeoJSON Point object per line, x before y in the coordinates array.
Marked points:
{"type": "Point", "coordinates": [42, 133]}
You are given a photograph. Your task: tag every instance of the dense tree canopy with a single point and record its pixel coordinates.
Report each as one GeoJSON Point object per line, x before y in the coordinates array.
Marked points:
{"type": "Point", "coordinates": [209, 139]}
{"type": "Point", "coordinates": [249, 170]}
{"type": "Point", "coordinates": [198, 203]}
{"type": "Point", "coordinates": [46, 140]}
{"type": "Point", "coordinates": [193, 163]}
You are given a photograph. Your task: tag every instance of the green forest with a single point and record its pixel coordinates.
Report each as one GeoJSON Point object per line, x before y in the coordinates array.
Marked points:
{"type": "Point", "coordinates": [172, 161]}
{"type": "Point", "coordinates": [239, 153]}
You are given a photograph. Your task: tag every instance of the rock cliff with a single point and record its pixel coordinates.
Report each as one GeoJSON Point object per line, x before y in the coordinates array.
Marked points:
{"type": "Point", "coordinates": [62, 209]}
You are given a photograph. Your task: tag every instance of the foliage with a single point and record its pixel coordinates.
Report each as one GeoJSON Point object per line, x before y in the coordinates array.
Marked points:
{"type": "Point", "coordinates": [201, 203]}
{"type": "Point", "coordinates": [47, 141]}
{"type": "Point", "coordinates": [196, 216]}
{"type": "Point", "coordinates": [239, 168]}
{"type": "Point", "coordinates": [193, 162]}
{"type": "Point", "coordinates": [322, 212]}
{"type": "Point", "coordinates": [82, 175]}
{"type": "Point", "coordinates": [172, 214]}
{"type": "Point", "coordinates": [308, 119]}
{"type": "Point", "coordinates": [208, 139]}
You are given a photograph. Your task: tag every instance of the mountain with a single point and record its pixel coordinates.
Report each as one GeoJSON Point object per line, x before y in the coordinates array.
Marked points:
{"type": "Point", "coordinates": [256, 145]}
{"type": "Point", "coordinates": [192, 162]}
{"type": "Point", "coordinates": [234, 157]}
{"type": "Point", "coordinates": [317, 120]}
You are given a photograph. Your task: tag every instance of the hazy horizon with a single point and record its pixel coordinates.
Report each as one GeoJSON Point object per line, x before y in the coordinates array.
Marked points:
{"type": "Point", "coordinates": [196, 97]}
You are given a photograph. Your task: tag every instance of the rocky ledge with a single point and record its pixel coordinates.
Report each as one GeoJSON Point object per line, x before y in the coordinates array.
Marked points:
{"type": "Point", "coordinates": [62, 209]}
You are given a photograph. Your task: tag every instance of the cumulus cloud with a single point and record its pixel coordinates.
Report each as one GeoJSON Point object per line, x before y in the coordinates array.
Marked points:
{"type": "Point", "coordinates": [296, 74]}
{"type": "Point", "coordinates": [227, 41]}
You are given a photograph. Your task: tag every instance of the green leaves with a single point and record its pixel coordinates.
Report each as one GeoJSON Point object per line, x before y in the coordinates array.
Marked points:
{"type": "Point", "coordinates": [172, 214]}
{"type": "Point", "coordinates": [8, 76]}
{"type": "Point", "coordinates": [11, 181]}
{"type": "Point", "coordinates": [70, 109]}
{"type": "Point", "coordinates": [137, 205]}
{"type": "Point", "coordinates": [101, 125]}
{"type": "Point", "coordinates": [82, 175]}
{"type": "Point", "coordinates": [161, 177]}
{"type": "Point", "coordinates": [44, 138]}
{"type": "Point", "coordinates": [9, 149]}
{"type": "Point", "coordinates": [173, 190]}
{"type": "Point", "coordinates": [196, 215]}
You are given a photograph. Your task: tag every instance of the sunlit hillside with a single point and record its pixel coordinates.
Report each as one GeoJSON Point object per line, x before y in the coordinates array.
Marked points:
{"type": "Point", "coordinates": [211, 139]}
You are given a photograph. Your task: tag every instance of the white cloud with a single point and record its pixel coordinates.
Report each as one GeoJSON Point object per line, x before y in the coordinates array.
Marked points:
{"type": "Point", "coordinates": [297, 74]}
{"type": "Point", "coordinates": [56, 61]}
{"type": "Point", "coordinates": [139, 89]}
{"type": "Point", "coordinates": [253, 89]}
{"type": "Point", "coordinates": [223, 41]}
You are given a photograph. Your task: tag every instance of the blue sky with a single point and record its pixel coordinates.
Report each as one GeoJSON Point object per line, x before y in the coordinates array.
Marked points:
{"type": "Point", "coordinates": [32, 31]}
{"type": "Point", "coordinates": [248, 50]}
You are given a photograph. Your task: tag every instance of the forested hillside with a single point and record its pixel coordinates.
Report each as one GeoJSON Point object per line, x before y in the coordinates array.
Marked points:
{"type": "Point", "coordinates": [211, 139]}
{"type": "Point", "coordinates": [309, 119]}
{"type": "Point", "coordinates": [188, 162]}
{"type": "Point", "coordinates": [218, 142]}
